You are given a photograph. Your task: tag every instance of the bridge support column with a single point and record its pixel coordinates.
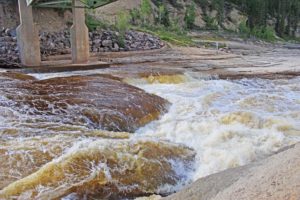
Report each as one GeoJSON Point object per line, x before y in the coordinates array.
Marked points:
{"type": "Point", "coordinates": [28, 37]}
{"type": "Point", "coordinates": [79, 34]}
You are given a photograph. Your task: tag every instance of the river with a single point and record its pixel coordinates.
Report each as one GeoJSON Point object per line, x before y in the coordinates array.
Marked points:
{"type": "Point", "coordinates": [223, 124]}
{"type": "Point", "coordinates": [228, 123]}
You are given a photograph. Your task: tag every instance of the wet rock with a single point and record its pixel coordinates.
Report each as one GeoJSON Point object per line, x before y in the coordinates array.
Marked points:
{"type": "Point", "coordinates": [11, 76]}
{"type": "Point", "coordinates": [28, 156]}
{"type": "Point", "coordinates": [276, 177]}
{"type": "Point", "coordinates": [20, 159]}
{"type": "Point", "coordinates": [111, 169]}
{"type": "Point", "coordinates": [97, 102]}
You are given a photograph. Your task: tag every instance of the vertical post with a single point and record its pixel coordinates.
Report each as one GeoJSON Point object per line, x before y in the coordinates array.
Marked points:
{"type": "Point", "coordinates": [79, 34]}
{"type": "Point", "coordinates": [28, 37]}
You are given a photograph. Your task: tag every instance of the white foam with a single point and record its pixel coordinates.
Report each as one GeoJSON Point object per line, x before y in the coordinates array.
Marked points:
{"type": "Point", "coordinates": [228, 123]}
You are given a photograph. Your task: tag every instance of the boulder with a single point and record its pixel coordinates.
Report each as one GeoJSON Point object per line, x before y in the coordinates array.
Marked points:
{"type": "Point", "coordinates": [96, 102]}
{"type": "Point", "coordinates": [110, 169]}
{"type": "Point", "coordinates": [276, 177]}
{"type": "Point", "coordinates": [107, 43]}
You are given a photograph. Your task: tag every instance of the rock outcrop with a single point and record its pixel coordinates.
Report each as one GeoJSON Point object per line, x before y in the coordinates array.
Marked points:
{"type": "Point", "coordinates": [276, 177]}
{"type": "Point", "coordinates": [95, 102]}
{"type": "Point", "coordinates": [110, 169]}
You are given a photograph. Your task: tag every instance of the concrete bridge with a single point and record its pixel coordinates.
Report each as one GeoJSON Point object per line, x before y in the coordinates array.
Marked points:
{"type": "Point", "coordinates": [28, 36]}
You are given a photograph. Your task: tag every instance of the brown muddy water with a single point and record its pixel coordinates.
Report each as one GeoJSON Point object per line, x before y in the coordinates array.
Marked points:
{"type": "Point", "coordinates": [57, 141]}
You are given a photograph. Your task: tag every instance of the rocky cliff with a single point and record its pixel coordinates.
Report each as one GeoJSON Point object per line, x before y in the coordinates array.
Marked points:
{"type": "Point", "coordinates": [59, 19]}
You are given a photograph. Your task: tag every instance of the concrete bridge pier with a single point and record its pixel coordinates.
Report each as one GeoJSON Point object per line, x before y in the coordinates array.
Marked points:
{"type": "Point", "coordinates": [29, 42]}
{"type": "Point", "coordinates": [28, 37]}
{"type": "Point", "coordinates": [79, 34]}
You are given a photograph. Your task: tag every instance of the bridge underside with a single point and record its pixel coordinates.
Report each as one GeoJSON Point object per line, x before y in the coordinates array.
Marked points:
{"type": "Point", "coordinates": [68, 3]}
{"type": "Point", "coordinates": [28, 37]}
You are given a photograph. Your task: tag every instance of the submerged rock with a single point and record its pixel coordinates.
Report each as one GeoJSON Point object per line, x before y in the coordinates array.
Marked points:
{"type": "Point", "coordinates": [110, 169]}
{"type": "Point", "coordinates": [96, 102]}
{"type": "Point", "coordinates": [20, 158]}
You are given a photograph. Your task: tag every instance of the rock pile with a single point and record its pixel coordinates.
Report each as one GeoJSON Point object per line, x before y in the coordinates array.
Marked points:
{"type": "Point", "coordinates": [58, 43]}
{"type": "Point", "coordinates": [9, 54]}
{"type": "Point", "coordinates": [106, 41]}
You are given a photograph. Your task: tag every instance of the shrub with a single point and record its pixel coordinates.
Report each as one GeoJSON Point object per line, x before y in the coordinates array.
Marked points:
{"type": "Point", "coordinates": [211, 23]}
{"type": "Point", "coordinates": [135, 16]}
{"type": "Point", "coordinates": [261, 32]}
{"type": "Point", "coordinates": [190, 16]}
{"type": "Point", "coordinates": [265, 33]}
{"type": "Point", "coordinates": [145, 11]}
{"type": "Point", "coordinates": [218, 5]}
{"type": "Point", "coordinates": [122, 25]}
{"type": "Point", "coordinates": [92, 23]}
{"type": "Point", "coordinates": [244, 29]}
{"type": "Point", "coordinates": [163, 16]}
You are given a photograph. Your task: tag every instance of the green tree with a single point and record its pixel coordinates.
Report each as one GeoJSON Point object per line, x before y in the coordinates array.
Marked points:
{"type": "Point", "coordinates": [190, 16]}
{"type": "Point", "coordinates": [163, 16]}
{"type": "Point", "coordinates": [219, 6]}
{"type": "Point", "coordinates": [122, 24]}
{"type": "Point", "coordinates": [135, 16]}
{"type": "Point", "coordinates": [145, 11]}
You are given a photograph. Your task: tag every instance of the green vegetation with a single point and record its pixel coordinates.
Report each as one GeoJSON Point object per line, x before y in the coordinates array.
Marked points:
{"type": "Point", "coordinates": [176, 38]}
{"type": "Point", "coordinates": [266, 19]}
{"type": "Point", "coordinates": [219, 6]}
{"type": "Point", "coordinates": [163, 16]}
{"type": "Point", "coordinates": [284, 13]}
{"type": "Point", "coordinates": [122, 25]}
{"type": "Point", "coordinates": [158, 22]}
{"type": "Point", "coordinates": [93, 23]}
{"type": "Point", "coordinates": [145, 11]}
{"type": "Point", "coordinates": [190, 16]}
{"type": "Point", "coordinates": [211, 23]}
{"type": "Point", "coordinates": [266, 33]}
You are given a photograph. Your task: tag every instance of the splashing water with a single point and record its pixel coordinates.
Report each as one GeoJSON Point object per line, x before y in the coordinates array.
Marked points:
{"type": "Point", "coordinates": [228, 123]}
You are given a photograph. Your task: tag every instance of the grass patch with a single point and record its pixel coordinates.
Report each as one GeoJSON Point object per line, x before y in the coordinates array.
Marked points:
{"type": "Point", "coordinates": [292, 39]}
{"type": "Point", "coordinates": [93, 24]}
{"type": "Point", "coordinates": [264, 33]}
{"type": "Point", "coordinates": [180, 39]}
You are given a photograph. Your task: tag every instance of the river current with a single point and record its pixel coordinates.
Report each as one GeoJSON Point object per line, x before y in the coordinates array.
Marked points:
{"type": "Point", "coordinates": [227, 123]}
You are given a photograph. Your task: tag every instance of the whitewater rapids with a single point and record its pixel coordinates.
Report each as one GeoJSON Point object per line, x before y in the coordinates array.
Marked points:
{"type": "Point", "coordinates": [228, 123]}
